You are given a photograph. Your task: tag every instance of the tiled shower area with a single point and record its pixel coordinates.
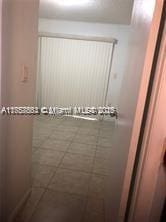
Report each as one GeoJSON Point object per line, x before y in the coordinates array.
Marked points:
{"type": "Point", "coordinates": [70, 164]}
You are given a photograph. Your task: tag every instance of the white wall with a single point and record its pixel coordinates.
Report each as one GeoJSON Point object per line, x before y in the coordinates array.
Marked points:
{"type": "Point", "coordinates": [120, 32]}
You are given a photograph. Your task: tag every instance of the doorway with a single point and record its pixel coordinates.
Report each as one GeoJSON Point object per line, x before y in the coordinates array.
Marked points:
{"type": "Point", "coordinates": [71, 153]}
{"type": "Point", "coordinates": [77, 170]}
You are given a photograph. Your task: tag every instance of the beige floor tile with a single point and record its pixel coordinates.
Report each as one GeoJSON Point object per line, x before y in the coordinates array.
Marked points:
{"type": "Point", "coordinates": [65, 201]}
{"type": "Point", "coordinates": [107, 127]}
{"type": "Point", "coordinates": [67, 128]}
{"type": "Point", "coordinates": [77, 162]}
{"type": "Point", "coordinates": [38, 136]}
{"type": "Point", "coordinates": [34, 148]}
{"type": "Point", "coordinates": [91, 124]}
{"type": "Point", "coordinates": [91, 140]}
{"type": "Point", "coordinates": [102, 166]}
{"type": "Point", "coordinates": [54, 144]}
{"type": "Point", "coordinates": [48, 157]}
{"type": "Point", "coordinates": [84, 149]}
{"type": "Point", "coordinates": [70, 124]}
{"type": "Point", "coordinates": [38, 142]}
{"type": "Point", "coordinates": [108, 124]}
{"type": "Point", "coordinates": [87, 131]}
{"type": "Point", "coordinates": [59, 207]}
{"type": "Point", "coordinates": [93, 217]}
{"type": "Point", "coordinates": [103, 152]}
{"type": "Point", "coordinates": [95, 205]}
{"type": "Point", "coordinates": [97, 186]}
{"type": "Point", "coordinates": [77, 121]}
{"type": "Point", "coordinates": [70, 181]}
{"type": "Point", "coordinates": [106, 133]}
{"type": "Point", "coordinates": [26, 212]}
{"type": "Point", "coordinates": [105, 142]}
{"type": "Point", "coordinates": [61, 135]}
{"type": "Point", "coordinates": [41, 175]}
{"type": "Point", "coordinates": [92, 128]}
{"type": "Point", "coordinates": [42, 132]}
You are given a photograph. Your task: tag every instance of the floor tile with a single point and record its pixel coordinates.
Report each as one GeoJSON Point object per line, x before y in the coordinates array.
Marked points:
{"type": "Point", "coordinates": [59, 207]}
{"type": "Point", "coordinates": [103, 152]}
{"type": "Point", "coordinates": [97, 186]}
{"type": "Point", "coordinates": [38, 142]}
{"type": "Point", "coordinates": [105, 142]}
{"type": "Point", "coordinates": [107, 124]}
{"type": "Point", "coordinates": [70, 181]}
{"type": "Point", "coordinates": [95, 205]}
{"type": "Point", "coordinates": [25, 214]}
{"type": "Point", "coordinates": [106, 133]}
{"type": "Point", "coordinates": [77, 162]}
{"type": "Point", "coordinates": [61, 135]}
{"type": "Point", "coordinates": [102, 166]}
{"type": "Point", "coordinates": [70, 123]}
{"type": "Point", "coordinates": [41, 175]}
{"type": "Point", "coordinates": [54, 144]}
{"type": "Point", "coordinates": [93, 217]}
{"type": "Point", "coordinates": [90, 124]}
{"type": "Point", "coordinates": [67, 128]}
{"type": "Point", "coordinates": [71, 159]}
{"type": "Point", "coordinates": [87, 131]}
{"type": "Point", "coordinates": [91, 140]}
{"type": "Point", "coordinates": [84, 149]}
{"type": "Point", "coordinates": [34, 148]}
{"type": "Point", "coordinates": [38, 136]}
{"type": "Point", "coordinates": [48, 157]}
{"type": "Point", "coordinates": [42, 132]}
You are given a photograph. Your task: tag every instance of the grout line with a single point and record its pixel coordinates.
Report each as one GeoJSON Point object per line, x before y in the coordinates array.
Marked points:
{"type": "Point", "coordinates": [36, 205]}
{"type": "Point", "coordinates": [69, 193]}
{"type": "Point", "coordinates": [90, 179]}
{"type": "Point", "coordinates": [91, 173]}
{"type": "Point", "coordinates": [57, 167]}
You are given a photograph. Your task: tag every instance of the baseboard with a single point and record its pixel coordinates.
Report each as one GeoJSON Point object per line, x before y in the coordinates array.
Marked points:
{"type": "Point", "coordinates": [19, 205]}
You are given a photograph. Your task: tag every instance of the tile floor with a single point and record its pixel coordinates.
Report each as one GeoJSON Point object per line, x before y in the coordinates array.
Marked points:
{"type": "Point", "coordinates": [70, 165]}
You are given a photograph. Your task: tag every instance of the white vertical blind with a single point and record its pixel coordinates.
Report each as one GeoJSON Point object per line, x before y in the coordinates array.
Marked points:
{"type": "Point", "coordinates": [72, 72]}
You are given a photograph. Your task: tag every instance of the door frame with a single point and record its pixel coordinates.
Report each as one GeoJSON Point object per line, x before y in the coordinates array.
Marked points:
{"type": "Point", "coordinates": [150, 158]}
{"type": "Point", "coordinates": [138, 118]}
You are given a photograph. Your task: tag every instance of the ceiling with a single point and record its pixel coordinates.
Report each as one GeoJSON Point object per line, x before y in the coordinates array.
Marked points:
{"type": "Point", "coordinates": [104, 11]}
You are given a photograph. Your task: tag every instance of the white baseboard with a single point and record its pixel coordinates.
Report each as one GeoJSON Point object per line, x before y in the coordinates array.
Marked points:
{"type": "Point", "coordinates": [19, 205]}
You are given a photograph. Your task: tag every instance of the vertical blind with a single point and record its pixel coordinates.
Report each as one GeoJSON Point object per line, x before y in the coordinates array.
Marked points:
{"type": "Point", "coordinates": [72, 72]}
